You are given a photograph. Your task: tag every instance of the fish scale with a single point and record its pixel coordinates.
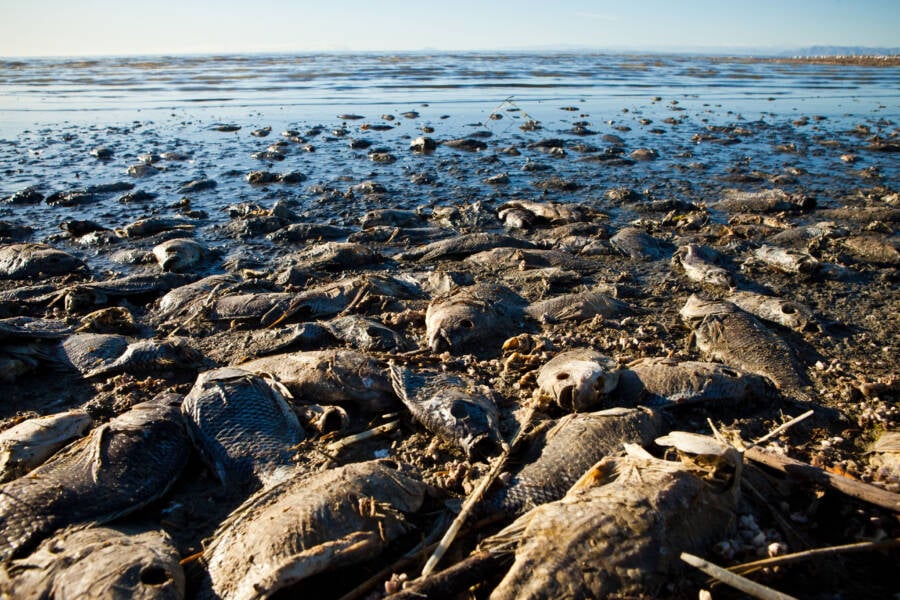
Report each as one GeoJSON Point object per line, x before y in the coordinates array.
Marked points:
{"type": "Point", "coordinates": [242, 426]}
{"type": "Point", "coordinates": [113, 472]}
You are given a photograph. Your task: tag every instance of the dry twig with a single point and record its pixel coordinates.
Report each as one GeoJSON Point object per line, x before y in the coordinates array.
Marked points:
{"type": "Point", "coordinates": [757, 590]}
{"type": "Point", "coordinates": [342, 443]}
{"type": "Point", "coordinates": [784, 559]}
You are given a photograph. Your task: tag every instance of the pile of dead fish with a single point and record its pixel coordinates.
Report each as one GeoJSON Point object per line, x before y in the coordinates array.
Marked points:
{"type": "Point", "coordinates": [421, 325]}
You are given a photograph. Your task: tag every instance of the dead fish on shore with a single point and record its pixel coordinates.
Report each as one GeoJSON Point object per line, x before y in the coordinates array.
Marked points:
{"type": "Point", "coordinates": [29, 261]}
{"type": "Point", "coordinates": [308, 525]}
{"type": "Point", "coordinates": [30, 443]}
{"type": "Point", "coordinates": [637, 244]}
{"type": "Point", "coordinates": [102, 354]}
{"type": "Point", "coordinates": [363, 333]}
{"type": "Point", "coordinates": [302, 232]}
{"type": "Point", "coordinates": [335, 376]}
{"type": "Point", "coordinates": [576, 380]}
{"type": "Point", "coordinates": [24, 342]}
{"type": "Point", "coordinates": [331, 256]}
{"type": "Point", "coordinates": [112, 472]}
{"type": "Point", "coordinates": [787, 260]}
{"type": "Point", "coordinates": [455, 408]}
{"type": "Point", "coordinates": [885, 456]}
{"type": "Point", "coordinates": [475, 318]}
{"type": "Point", "coordinates": [153, 225]}
{"type": "Point", "coordinates": [560, 455]}
{"type": "Point", "coordinates": [774, 200]}
{"type": "Point", "coordinates": [183, 301]}
{"type": "Point", "coordinates": [392, 217]}
{"type": "Point", "coordinates": [699, 265]}
{"type": "Point", "coordinates": [579, 306]}
{"type": "Point", "coordinates": [179, 254]}
{"type": "Point", "coordinates": [790, 314]}
{"type": "Point", "coordinates": [725, 333]}
{"type": "Point", "coordinates": [663, 382]}
{"type": "Point", "coordinates": [83, 297]}
{"type": "Point", "coordinates": [525, 214]}
{"type": "Point", "coordinates": [800, 237]}
{"type": "Point", "coordinates": [517, 258]}
{"type": "Point", "coordinates": [620, 530]}
{"type": "Point", "coordinates": [462, 246]}
{"type": "Point", "coordinates": [99, 562]}
{"type": "Point", "coordinates": [241, 424]}
{"type": "Point", "coordinates": [874, 249]}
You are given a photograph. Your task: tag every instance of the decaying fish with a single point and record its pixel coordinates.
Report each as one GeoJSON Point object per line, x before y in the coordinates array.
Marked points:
{"type": "Point", "coordinates": [579, 306]}
{"type": "Point", "coordinates": [620, 530]}
{"type": "Point", "coordinates": [558, 457]}
{"type": "Point", "coordinates": [699, 265]}
{"type": "Point", "coordinates": [100, 562]}
{"type": "Point", "coordinates": [179, 254]}
{"type": "Point", "coordinates": [17, 329]}
{"type": "Point", "coordinates": [455, 408]}
{"type": "Point", "coordinates": [520, 214]}
{"type": "Point", "coordinates": [791, 314]}
{"type": "Point", "coordinates": [334, 376]}
{"type": "Point", "coordinates": [241, 424]}
{"type": "Point", "coordinates": [474, 319]}
{"type": "Point", "coordinates": [184, 300]}
{"type": "Point", "coordinates": [332, 256]}
{"type": "Point", "coordinates": [120, 467]}
{"type": "Point", "coordinates": [153, 225]}
{"type": "Point", "coordinates": [28, 444]}
{"type": "Point", "coordinates": [787, 260]}
{"type": "Point", "coordinates": [462, 246]}
{"type": "Point", "coordinates": [301, 232]}
{"type": "Point", "coordinates": [637, 244]}
{"type": "Point", "coordinates": [885, 456]}
{"type": "Point", "coordinates": [576, 380]}
{"type": "Point", "coordinates": [517, 258]}
{"type": "Point", "coordinates": [365, 334]}
{"type": "Point", "coordinates": [874, 249]}
{"type": "Point", "coordinates": [392, 217]}
{"type": "Point", "coordinates": [666, 381]}
{"type": "Point", "coordinates": [764, 201]}
{"type": "Point", "coordinates": [725, 333]}
{"type": "Point", "coordinates": [104, 354]}
{"type": "Point", "coordinates": [87, 296]}
{"type": "Point", "coordinates": [308, 525]}
{"type": "Point", "coordinates": [28, 261]}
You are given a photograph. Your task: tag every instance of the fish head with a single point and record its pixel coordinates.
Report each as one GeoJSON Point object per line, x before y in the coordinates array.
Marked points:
{"type": "Point", "coordinates": [476, 424]}
{"type": "Point", "coordinates": [453, 327]}
{"type": "Point", "coordinates": [696, 308]}
{"type": "Point", "coordinates": [577, 383]}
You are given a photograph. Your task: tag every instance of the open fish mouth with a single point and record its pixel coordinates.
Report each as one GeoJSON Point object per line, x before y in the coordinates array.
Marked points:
{"type": "Point", "coordinates": [566, 397]}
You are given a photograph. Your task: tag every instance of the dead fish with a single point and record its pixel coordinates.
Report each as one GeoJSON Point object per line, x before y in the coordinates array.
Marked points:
{"type": "Point", "coordinates": [619, 531]}
{"type": "Point", "coordinates": [774, 200]}
{"type": "Point", "coordinates": [666, 381]}
{"type": "Point", "coordinates": [725, 333]}
{"type": "Point", "coordinates": [184, 299]}
{"type": "Point", "coordinates": [699, 265]}
{"type": "Point", "coordinates": [85, 351]}
{"type": "Point", "coordinates": [787, 260]}
{"type": "Point", "coordinates": [28, 444]}
{"type": "Point", "coordinates": [144, 356]}
{"type": "Point", "coordinates": [333, 376]}
{"type": "Point", "coordinates": [29, 328]}
{"type": "Point", "coordinates": [179, 254]}
{"type": "Point", "coordinates": [579, 306]}
{"type": "Point", "coordinates": [308, 525]}
{"type": "Point", "coordinates": [877, 250]}
{"type": "Point", "coordinates": [28, 261]}
{"type": "Point", "coordinates": [516, 258]}
{"type": "Point", "coordinates": [100, 562]}
{"type": "Point", "coordinates": [800, 237]}
{"type": "Point", "coordinates": [87, 296]}
{"type": "Point", "coordinates": [457, 409]}
{"type": "Point", "coordinates": [365, 334]}
{"type": "Point", "coordinates": [332, 256]}
{"type": "Point", "coordinates": [790, 314]}
{"type": "Point", "coordinates": [522, 214]}
{"type": "Point", "coordinates": [392, 217]}
{"type": "Point", "coordinates": [154, 225]}
{"type": "Point", "coordinates": [467, 144]}
{"type": "Point", "coordinates": [302, 232]}
{"type": "Point", "coordinates": [111, 473]}
{"type": "Point", "coordinates": [885, 456]}
{"type": "Point", "coordinates": [559, 456]}
{"type": "Point", "coordinates": [576, 380]}
{"type": "Point", "coordinates": [475, 318]}
{"type": "Point", "coordinates": [637, 244]}
{"type": "Point", "coordinates": [241, 424]}
{"type": "Point", "coordinates": [461, 246]}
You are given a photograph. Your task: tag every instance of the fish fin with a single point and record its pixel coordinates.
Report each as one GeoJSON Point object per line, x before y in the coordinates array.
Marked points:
{"type": "Point", "coordinates": [96, 453]}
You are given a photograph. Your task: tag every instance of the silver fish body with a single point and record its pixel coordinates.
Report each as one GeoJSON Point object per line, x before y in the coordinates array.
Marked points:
{"type": "Point", "coordinates": [308, 525]}
{"type": "Point", "coordinates": [765, 201]}
{"type": "Point", "coordinates": [637, 244]}
{"type": "Point", "coordinates": [242, 426]}
{"type": "Point", "coordinates": [699, 265]}
{"type": "Point", "coordinates": [559, 456]}
{"type": "Point", "coordinates": [28, 444]}
{"type": "Point", "coordinates": [100, 562]}
{"type": "Point", "coordinates": [788, 313]}
{"type": "Point", "coordinates": [787, 260]}
{"type": "Point", "coordinates": [665, 381]}
{"type": "Point", "coordinates": [579, 306]}
{"type": "Point", "coordinates": [120, 467]}
{"type": "Point", "coordinates": [29, 261]}
{"type": "Point", "coordinates": [577, 380]}
{"type": "Point", "coordinates": [365, 334]}
{"type": "Point", "coordinates": [334, 376]}
{"type": "Point", "coordinates": [475, 318]}
{"type": "Point", "coordinates": [456, 409]}
{"type": "Point", "coordinates": [462, 246]}
{"type": "Point", "coordinates": [332, 256]}
{"type": "Point", "coordinates": [179, 254]}
{"type": "Point", "coordinates": [617, 533]}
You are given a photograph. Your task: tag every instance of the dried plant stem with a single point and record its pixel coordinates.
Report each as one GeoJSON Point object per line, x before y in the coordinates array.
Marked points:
{"type": "Point", "coordinates": [342, 443]}
{"type": "Point", "coordinates": [784, 427]}
{"type": "Point", "coordinates": [775, 561]}
{"type": "Point", "coordinates": [751, 588]}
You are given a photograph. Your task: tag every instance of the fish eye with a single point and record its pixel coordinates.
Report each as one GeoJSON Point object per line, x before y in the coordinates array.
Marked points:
{"type": "Point", "coordinates": [467, 324]}
{"type": "Point", "coordinates": [154, 575]}
{"type": "Point", "coordinates": [458, 410]}
{"type": "Point", "coordinates": [561, 376]}
{"type": "Point", "coordinates": [730, 373]}
{"type": "Point", "coordinates": [788, 309]}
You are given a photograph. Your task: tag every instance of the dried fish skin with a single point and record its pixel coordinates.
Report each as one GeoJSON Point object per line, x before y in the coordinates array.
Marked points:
{"type": "Point", "coordinates": [699, 265]}
{"type": "Point", "coordinates": [788, 313]}
{"type": "Point", "coordinates": [637, 244]}
{"type": "Point", "coordinates": [456, 409]}
{"type": "Point", "coordinates": [100, 562]}
{"type": "Point", "coordinates": [28, 261]}
{"type": "Point", "coordinates": [365, 334]}
{"type": "Point", "coordinates": [179, 254]}
{"type": "Point", "coordinates": [28, 444]}
{"type": "Point", "coordinates": [764, 201]}
{"type": "Point", "coordinates": [562, 454]}
{"type": "Point", "coordinates": [120, 467]}
{"type": "Point", "coordinates": [617, 532]}
{"type": "Point", "coordinates": [662, 382]}
{"type": "Point", "coordinates": [462, 246]}
{"type": "Point", "coordinates": [241, 425]}
{"type": "Point", "coordinates": [577, 380]}
{"type": "Point", "coordinates": [334, 376]}
{"type": "Point", "coordinates": [579, 306]}
{"type": "Point", "coordinates": [308, 525]}
{"type": "Point", "coordinates": [787, 260]}
{"type": "Point", "coordinates": [473, 318]}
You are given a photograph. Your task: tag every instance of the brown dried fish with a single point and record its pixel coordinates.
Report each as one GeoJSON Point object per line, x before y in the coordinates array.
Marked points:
{"type": "Point", "coordinates": [788, 313]}
{"type": "Point", "coordinates": [579, 306]}
{"type": "Point", "coordinates": [28, 444]}
{"type": "Point", "coordinates": [475, 318]}
{"type": "Point", "coordinates": [576, 380]}
{"type": "Point", "coordinates": [309, 525]}
{"type": "Point", "coordinates": [699, 265]}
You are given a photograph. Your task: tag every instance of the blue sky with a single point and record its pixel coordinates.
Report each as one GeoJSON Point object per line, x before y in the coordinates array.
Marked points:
{"type": "Point", "coordinates": [97, 27]}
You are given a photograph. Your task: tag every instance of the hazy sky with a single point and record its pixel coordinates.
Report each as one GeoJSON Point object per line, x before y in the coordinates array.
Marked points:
{"type": "Point", "coordinates": [90, 27]}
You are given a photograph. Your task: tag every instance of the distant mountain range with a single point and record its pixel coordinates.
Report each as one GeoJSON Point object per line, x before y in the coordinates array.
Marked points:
{"type": "Point", "coordinates": [842, 51]}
